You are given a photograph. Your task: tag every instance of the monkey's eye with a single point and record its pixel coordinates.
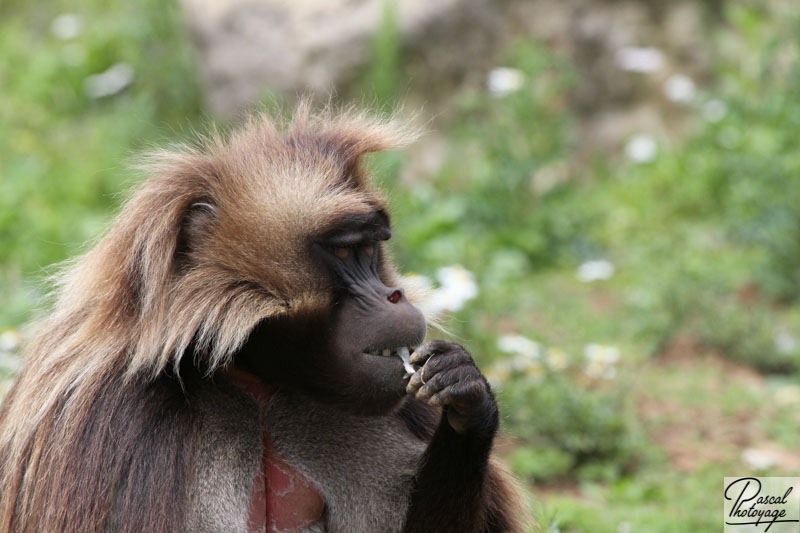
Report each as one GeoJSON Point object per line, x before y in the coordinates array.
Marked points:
{"type": "Point", "coordinates": [341, 252]}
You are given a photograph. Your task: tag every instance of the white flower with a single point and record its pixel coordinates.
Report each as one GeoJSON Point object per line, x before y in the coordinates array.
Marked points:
{"type": "Point", "coordinates": [759, 459]}
{"type": "Point", "coordinates": [503, 81]}
{"type": "Point", "coordinates": [599, 269]}
{"type": "Point", "coordinates": [639, 59]}
{"type": "Point", "coordinates": [67, 26]}
{"type": "Point", "coordinates": [110, 82]}
{"type": "Point", "coordinates": [457, 288]}
{"type": "Point", "coordinates": [10, 341]}
{"type": "Point", "coordinates": [601, 361]}
{"type": "Point", "coordinates": [458, 277]}
{"type": "Point", "coordinates": [785, 342]}
{"type": "Point", "coordinates": [419, 290]}
{"type": "Point", "coordinates": [444, 300]}
{"type": "Point", "coordinates": [526, 358]}
{"type": "Point", "coordinates": [641, 148]}
{"type": "Point", "coordinates": [498, 373]}
{"type": "Point", "coordinates": [519, 345]}
{"type": "Point", "coordinates": [556, 359]}
{"type": "Point", "coordinates": [597, 370]}
{"type": "Point", "coordinates": [679, 88]}
{"type": "Point", "coordinates": [601, 353]}
{"type": "Point", "coordinates": [715, 110]}
{"type": "Point", "coordinates": [417, 282]}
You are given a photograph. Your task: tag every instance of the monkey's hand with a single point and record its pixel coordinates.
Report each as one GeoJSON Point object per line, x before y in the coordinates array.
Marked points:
{"type": "Point", "coordinates": [450, 492]}
{"type": "Point", "coordinates": [449, 378]}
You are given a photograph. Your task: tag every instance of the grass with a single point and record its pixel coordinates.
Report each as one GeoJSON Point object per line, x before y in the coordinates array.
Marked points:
{"type": "Point", "coordinates": [702, 307]}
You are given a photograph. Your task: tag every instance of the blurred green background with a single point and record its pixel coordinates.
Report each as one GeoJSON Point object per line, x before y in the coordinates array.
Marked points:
{"type": "Point", "coordinates": [637, 309]}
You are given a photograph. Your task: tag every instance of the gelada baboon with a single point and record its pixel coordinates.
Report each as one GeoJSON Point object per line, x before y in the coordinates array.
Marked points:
{"type": "Point", "coordinates": [226, 360]}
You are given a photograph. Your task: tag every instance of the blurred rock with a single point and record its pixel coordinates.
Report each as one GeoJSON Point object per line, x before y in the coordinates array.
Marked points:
{"type": "Point", "coordinates": [248, 48]}
{"type": "Point", "coordinates": [637, 62]}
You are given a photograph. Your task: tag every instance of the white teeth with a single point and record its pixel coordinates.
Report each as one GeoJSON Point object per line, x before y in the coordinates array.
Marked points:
{"type": "Point", "coordinates": [386, 352]}
{"type": "Point", "coordinates": [404, 355]}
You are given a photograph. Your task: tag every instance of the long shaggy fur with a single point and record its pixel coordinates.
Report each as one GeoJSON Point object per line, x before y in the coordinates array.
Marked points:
{"type": "Point", "coordinates": [98, 433]}
{"type": "Point", "coordinates": [129, 310]}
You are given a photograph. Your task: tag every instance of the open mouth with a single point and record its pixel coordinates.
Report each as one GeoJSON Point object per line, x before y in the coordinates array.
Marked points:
{"type": "Point", "coordinates": [403, 352]}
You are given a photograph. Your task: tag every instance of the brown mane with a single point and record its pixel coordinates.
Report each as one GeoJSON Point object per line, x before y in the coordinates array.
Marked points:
{"type": "Point", "coordinates": [129, 311]}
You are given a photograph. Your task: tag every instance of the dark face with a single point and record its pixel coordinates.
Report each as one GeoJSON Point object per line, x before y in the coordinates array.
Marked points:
{"type": "Point", "coordinates": [347, 354]}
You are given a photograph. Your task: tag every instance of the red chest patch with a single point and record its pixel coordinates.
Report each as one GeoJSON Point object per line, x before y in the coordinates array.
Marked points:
{"type": "Point", "coordinates": [282, 500]}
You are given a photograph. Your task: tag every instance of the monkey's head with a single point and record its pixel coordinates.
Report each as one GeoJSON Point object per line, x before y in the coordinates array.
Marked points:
{"type": "Point", "coordinates": [297, 223]}
{"type": "Point", "coordinates": [264, 250]}
{"type": "Point", "coordinates": [343, 347]}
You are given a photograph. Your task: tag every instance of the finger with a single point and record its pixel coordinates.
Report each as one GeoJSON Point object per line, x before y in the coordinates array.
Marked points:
{"type": "Point", "coordinates": [441, 363]}
{"type": "Point", "coordinates": [421, 354]}
{"type": "Point", "coordinates": [437, 356]}
{"type": "Point", "coordinates": [415, 382]}
{"type": "Point", "coordinates": [437, 382]}
{"type": "Point", "coordinates": [446, 360]}
{"type": "Point", "coordinates": [460, 395]}
{"type": "Point", "coordinates": [424, 352]}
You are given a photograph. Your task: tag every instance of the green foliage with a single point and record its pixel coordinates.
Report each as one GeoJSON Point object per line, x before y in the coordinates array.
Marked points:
{"type": "Point", "coordinates": [568, 428]}
{"type": "Point", "coordinates": [541, 463]}
{"type": "Point", "coordinates": [704, 239]}
{"type": "Point", "coordinates": [63, 153]}
{"type": "Point", "coordinates": [665, 502]}
{"type": "Point", "coordinates": [484, 194]}
{"type": "Point", "coordinates": [712, 227]}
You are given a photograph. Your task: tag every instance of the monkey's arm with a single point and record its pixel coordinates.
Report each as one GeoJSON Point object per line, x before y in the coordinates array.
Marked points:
{"type": "Point", "coordinates": [458, 489]}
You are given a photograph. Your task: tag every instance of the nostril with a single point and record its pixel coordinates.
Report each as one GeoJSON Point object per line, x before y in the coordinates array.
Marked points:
{"type": "Point", "coordinates": [395, 296]}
